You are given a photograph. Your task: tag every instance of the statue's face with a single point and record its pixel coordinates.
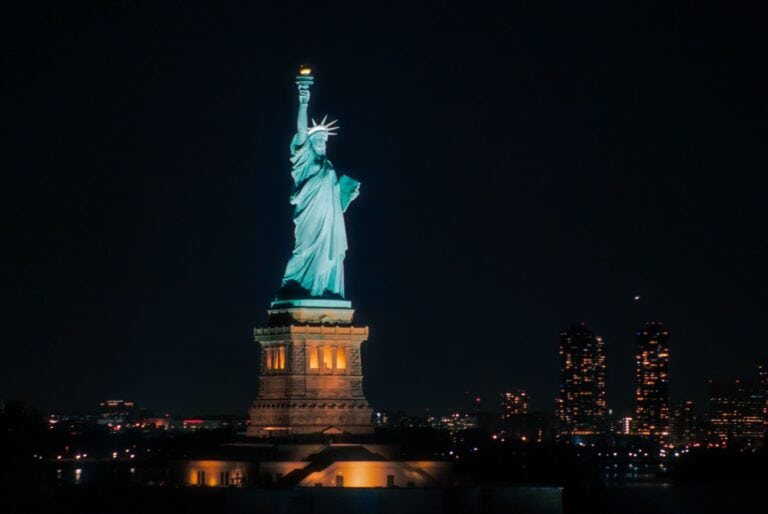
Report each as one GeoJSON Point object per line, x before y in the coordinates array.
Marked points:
{"type": "Point", "coordinates": [318, 140]}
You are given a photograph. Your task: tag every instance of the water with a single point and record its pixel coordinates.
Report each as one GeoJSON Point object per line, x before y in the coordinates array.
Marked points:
{"type": "Point", "coordinates": [666, 497]}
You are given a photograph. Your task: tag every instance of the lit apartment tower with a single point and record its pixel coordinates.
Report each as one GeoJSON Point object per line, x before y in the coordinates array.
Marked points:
{"type": "Point", "coordinates": [652, 381]}
{"type": "Point", "coordinates": [682, 423]}
{"type": "Point", "coordinates": [581, 407]}
{"type": "Point", "coordinates": [625, 426]}
{"type": "Point", "coordinates": [762, 368]}
{"type": "Point", "coordinates": [514, 403]}
{"type": "Point", "coordinates": [735, 412]}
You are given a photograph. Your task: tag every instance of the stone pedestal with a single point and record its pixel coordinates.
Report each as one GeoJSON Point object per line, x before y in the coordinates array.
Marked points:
{"type": "Point", "coordinates": [311, 379]}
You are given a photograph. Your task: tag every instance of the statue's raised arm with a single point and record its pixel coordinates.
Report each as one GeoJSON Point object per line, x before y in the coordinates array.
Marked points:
{"type": "Point", "coordinates": [301, 122]}
{"type": "Point", "coordinates": [316, 267]}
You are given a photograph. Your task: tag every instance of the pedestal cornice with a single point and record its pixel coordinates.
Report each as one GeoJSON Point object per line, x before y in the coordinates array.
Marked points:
{"type": "Point", "coordinates": [319, 330]}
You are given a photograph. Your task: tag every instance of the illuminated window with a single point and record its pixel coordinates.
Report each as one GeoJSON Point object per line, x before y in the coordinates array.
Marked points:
{"type": "Point", "coordinates": [275, 357]}
{"type": "Point", "coordinates": [238, 479]}
{"type": "Point", "coordinates": [313, 360]}
{"type": "Point", "coordinates": [327, 357]}
{"type": "Point", "coordinates": [341, 358]}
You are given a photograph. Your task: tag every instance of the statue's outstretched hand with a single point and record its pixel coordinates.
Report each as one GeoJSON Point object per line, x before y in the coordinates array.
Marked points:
{"type": "Point", "coordinates": [303, 95]}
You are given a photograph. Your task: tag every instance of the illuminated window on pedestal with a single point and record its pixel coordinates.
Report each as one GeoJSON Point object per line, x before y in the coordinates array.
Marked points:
{"type": "Point", "coordinates": [275, 357]}
{"type": "Point", "coordinates": [313, 360]}
{"type": "Point", "coordinates": [327, 357]}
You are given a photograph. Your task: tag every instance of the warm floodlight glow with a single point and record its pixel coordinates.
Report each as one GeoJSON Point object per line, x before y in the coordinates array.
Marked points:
{"type": "Point", "coordinates": [341, 358]}
{"type": "Point", "coordinates": [327, 358]}
{"type": "Point", "coordinates": [313, 360]}
{"type": "Point", "coordinates": [305, 71]}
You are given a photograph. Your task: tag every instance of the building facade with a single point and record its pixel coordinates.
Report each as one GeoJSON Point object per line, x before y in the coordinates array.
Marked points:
{"type": "Point", "coordinates": [514, 403]}
{"type": "Point", "coordinates": [652, 411]}
{"type": "Point", "coordinates": [581, 403]}
{"type": "Point", "coordinates": [683, 425]}
{"type": "Point", "coordinates": [736, 412]}
{"type": "Point", "coordinates": [308, 465]}
{"type": "Point", "coordinates": [762, 369]}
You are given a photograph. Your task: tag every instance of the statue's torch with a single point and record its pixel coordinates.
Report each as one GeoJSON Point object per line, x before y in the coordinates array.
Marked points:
{"type": "Point", "coordinates": [304, 79]}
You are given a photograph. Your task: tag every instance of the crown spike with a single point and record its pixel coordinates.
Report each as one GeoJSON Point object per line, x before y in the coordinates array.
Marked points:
{"type": "Point", "coordinates": [324, 118]}
{"type": "Point", "coordinates": [314, 123]}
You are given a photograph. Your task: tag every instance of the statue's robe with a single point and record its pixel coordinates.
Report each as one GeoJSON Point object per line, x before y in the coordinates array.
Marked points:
{"type": "Point", "coordinates": [317, 262]}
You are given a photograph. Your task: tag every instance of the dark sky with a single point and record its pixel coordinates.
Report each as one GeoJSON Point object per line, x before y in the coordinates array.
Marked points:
{"type": "Point", "coordinates": [521, 169]}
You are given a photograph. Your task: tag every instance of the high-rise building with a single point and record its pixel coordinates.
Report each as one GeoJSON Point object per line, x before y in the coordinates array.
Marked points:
{"type": "Point", "coordinates": [682, 423]}
{"type": "Point", "coordinates": [581, 405]}
{"type": "Point", "coordinates": [652, 381]}
{"type": "Point", "coordinates": [514, 403]}
{"type": "Point", "coordinates": [735, 412]}
{"type": "Point", "coordinates": [625, 426]}
{"type": "Point", "coordinates": [762, 369]}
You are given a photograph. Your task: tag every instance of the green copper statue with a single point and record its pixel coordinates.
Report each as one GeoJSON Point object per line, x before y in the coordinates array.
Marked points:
{"type": "Point", "coordinates": [316, 267]}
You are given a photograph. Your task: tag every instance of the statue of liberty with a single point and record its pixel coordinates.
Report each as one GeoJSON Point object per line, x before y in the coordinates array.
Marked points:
{"type": "Point", "coordinates": [316, 267]}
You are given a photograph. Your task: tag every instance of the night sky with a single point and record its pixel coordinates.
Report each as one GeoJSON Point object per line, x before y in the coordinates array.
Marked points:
{"type": "Point", "coordinates": [520, 170]}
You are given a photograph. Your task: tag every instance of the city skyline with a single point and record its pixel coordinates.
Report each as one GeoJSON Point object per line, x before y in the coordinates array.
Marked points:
{"type": "Point", "coordinates": [508, 404]}
{"type": "Point", "coordinates": [540, 171]}
{"type": "Point", "coordinates": [735, 413]}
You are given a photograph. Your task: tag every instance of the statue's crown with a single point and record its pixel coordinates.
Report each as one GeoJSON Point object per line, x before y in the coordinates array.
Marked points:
{"type": "Point", "coordinates": [329, 127]}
